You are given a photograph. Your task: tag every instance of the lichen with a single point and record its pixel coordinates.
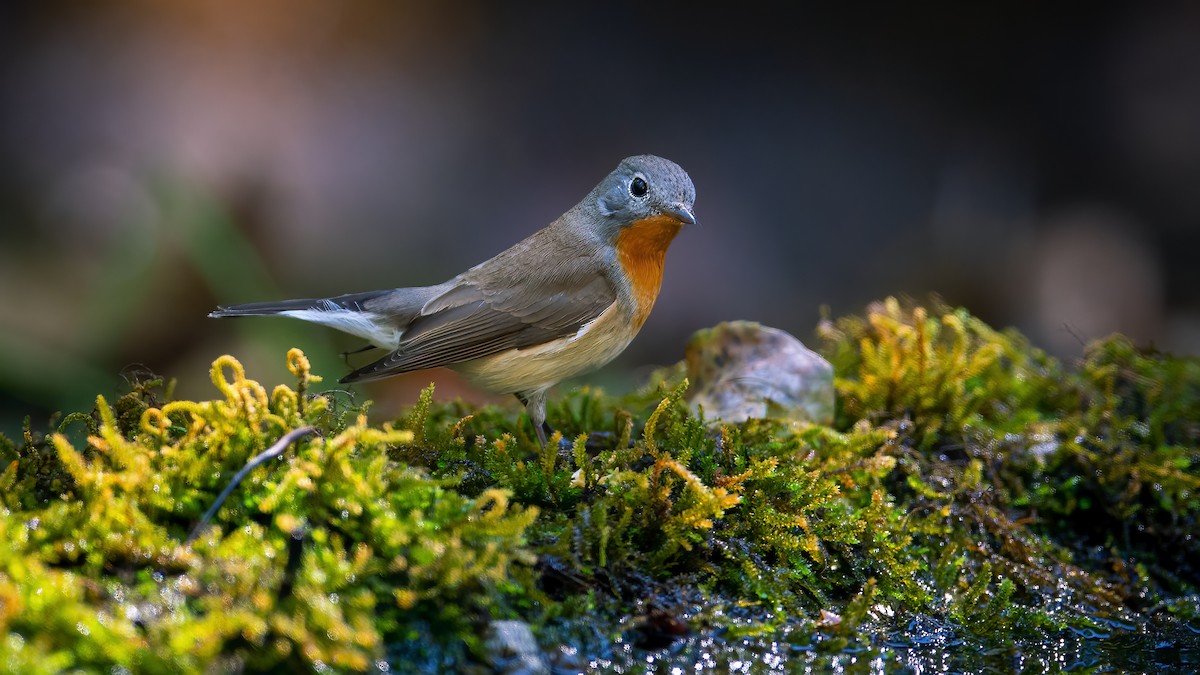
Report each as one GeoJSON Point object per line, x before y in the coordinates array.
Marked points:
{"type": "Point", "coordinates": [969, 482]}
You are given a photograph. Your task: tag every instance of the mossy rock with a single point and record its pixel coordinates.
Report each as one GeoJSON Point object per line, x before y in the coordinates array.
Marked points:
{"type": "Point", "coordinates": [971, 488]}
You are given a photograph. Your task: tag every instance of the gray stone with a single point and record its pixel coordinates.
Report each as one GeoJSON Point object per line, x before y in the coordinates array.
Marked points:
{"type": "Point", "coordinates": [512, 649]}
{"type": "Point", "coordinates": [742, 369]}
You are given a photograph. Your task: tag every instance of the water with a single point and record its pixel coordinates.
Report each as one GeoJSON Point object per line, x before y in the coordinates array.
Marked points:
{"type": "Point", "coordinates": [1173, 649]}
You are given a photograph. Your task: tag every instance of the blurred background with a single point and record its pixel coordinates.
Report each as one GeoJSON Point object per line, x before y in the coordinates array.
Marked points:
{"type": "Point", "coordinates": [1039, 165]}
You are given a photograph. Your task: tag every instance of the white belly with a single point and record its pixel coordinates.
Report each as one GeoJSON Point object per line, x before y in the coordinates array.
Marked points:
{"type": "Point", "coordinates": [538, 368]}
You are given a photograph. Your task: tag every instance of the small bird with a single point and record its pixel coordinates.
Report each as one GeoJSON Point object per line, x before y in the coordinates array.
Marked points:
{"type": "Point", "coordinates": [561, 303]}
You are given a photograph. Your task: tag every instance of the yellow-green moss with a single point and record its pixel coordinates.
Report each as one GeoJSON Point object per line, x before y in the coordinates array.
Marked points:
{"type": "Point", "coordinates": [968, 478]}
{"type": "Point", "coordinates": [315, 558]}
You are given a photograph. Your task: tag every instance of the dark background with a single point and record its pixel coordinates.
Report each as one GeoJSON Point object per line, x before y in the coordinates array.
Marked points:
{"type": "Point", "coordinates": [1037, 163]}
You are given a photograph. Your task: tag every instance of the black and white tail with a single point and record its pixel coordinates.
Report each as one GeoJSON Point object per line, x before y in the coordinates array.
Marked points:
{"type": "Point", "coordinates": [349, 313]}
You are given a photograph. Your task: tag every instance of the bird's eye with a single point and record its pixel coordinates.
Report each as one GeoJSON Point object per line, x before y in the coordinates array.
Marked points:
{"type": "Point", "coordinates": [638, 187]}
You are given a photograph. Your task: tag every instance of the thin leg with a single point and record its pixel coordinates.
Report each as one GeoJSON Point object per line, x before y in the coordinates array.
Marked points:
{"type": "Point", "coordinates": [535, 405]}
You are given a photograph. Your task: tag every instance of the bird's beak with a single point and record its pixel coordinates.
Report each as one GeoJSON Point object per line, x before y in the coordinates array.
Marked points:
{"type": "Point", "coordinates": [682, 213]}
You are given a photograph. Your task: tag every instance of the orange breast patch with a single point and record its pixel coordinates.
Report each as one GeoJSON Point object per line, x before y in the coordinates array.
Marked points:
{"type": "Point", "coordinates": [642, 250]}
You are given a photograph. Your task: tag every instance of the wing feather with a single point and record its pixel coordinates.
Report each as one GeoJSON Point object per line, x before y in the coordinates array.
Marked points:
{"type": "Point", "coordinates": [470, 322]}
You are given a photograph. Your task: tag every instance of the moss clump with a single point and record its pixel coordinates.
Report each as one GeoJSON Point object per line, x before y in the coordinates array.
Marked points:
{"type": "Point", "coordinates": [970, 482]}
{"type": "Point", "coordinates": [315, 560]}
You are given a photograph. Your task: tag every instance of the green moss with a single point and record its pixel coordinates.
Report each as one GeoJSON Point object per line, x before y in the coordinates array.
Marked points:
{"type": "Point", "coordinates": [969, 480]}
{"type": "Point", "coordinates": [316, 559]}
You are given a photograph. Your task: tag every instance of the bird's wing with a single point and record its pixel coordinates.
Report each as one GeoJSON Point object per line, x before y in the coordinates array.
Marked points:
{"type": "Point", "coordinates": [470, 321]}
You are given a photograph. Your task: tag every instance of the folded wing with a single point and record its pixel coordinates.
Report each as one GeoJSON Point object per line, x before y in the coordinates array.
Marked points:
{"type": "Point", "coordinates": [470, 322]}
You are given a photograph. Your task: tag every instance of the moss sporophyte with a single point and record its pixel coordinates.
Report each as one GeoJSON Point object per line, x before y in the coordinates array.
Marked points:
{"type": "Point", "coordinates": [970, 486]}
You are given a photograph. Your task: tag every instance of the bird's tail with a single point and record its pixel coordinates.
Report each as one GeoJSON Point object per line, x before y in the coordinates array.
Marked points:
{"type": "Point", "coordinates": [353, 313]}
{"type": "Point", "coordinates": [352, 302]}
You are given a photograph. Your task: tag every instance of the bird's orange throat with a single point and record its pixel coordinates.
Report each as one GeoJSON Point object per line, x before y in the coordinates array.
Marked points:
{"type": "Point", "coordinates": [642, 250]}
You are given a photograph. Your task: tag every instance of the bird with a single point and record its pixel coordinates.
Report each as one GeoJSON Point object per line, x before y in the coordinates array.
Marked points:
{"type": "Point", "coordinates": [563, 302]}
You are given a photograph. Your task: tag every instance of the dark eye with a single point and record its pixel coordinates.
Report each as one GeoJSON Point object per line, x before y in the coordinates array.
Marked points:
{"type": "Point", "coordinates": [638, 187]}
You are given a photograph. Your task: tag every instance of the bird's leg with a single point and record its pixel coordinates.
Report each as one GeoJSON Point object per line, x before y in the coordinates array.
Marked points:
{"type": "Point", "coordinates": [535, 405]}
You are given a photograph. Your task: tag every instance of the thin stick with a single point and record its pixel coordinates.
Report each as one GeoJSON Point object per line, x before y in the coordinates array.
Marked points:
{"type": "Point", "coordinates": [270, 453]}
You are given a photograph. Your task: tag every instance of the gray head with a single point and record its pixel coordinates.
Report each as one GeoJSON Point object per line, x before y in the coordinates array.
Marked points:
{"type": "Point", "coordinates": [644, 186]}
